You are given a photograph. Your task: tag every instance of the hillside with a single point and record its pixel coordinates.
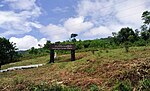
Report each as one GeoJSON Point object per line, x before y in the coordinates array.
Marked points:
{"type": "Point", "coordinates": [104, 70]}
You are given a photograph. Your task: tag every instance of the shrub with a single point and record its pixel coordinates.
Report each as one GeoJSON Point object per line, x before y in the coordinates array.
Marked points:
{"type": "Point", "coordinates": [140, 42]}
{"type": "Point", "coordinates": [94, 88]}
{"type": "Point", "coordinates": [53, 87]}
{"type": "Point", "coordinates": [122, 87]}
{"type": "Point", "coordinates": [46, 87]}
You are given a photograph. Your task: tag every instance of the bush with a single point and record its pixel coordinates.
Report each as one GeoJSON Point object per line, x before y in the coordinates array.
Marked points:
{"type": "Point", "coordinates": [140, 42]}
{"type": "Point", "coordinates": [53, 87]}
{"type": "Point", "coordinates": [94, 88]}
{"type": "Point", "coordinates": [122, 86]}
{"type": "Point", "coordinates": [46, 87]}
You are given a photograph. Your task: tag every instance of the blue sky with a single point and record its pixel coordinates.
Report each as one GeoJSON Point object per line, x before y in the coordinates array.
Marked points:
{"type": "Point", "coordinates": [31, 22]}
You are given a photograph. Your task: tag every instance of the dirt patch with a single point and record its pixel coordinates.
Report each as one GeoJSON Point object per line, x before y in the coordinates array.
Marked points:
{"type": "Point", "coordinates": [134, 70]}
{"type": "Point", "coordinates": [139, 72]}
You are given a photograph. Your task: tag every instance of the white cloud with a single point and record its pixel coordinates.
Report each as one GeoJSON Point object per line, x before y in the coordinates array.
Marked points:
{"type": "Point", "coordinates": [28, 8]}
{"type": "Point", "coordinates": [95, 18]}
{"type": "Point", "coordinates": [95, 8]}
{"type": "Point", "coordinates": [22, 4]}
{"type": "Point", "coordinates": [77, 25]}
{"type": "Point", "coordinates": [34, 24]}
{"type": "Point", "coordinates": [111, 15]}
{"type": "Point", "coordinates": [27, 42]}
{"type": "Point", "coordinates": [8, 17]}
{"type": "Point", "coordinates": [130, 12]}
{"type": "Point", "coordinates": [22, 21]}
{"type": "Point", "coordinates": [60, 10]}
{"type": "Point", "coordinates": [108, 11]}
{"type": "Point", "coordinates": [63, 32]}
{"type": "Point", "coordinates": [100, 32]}
{"type": "Point", "coordinates": [14, 23]}
{"type": "Point", "coordinates": [55, 33]}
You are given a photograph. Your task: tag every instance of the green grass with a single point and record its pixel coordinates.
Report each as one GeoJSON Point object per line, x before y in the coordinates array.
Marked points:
{"type": "Point", "coordinates": [42, 60]}
{"type": "Point", "coordinates": [38, 60]}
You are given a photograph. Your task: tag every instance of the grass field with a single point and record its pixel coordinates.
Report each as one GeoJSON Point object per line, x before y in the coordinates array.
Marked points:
{"type": "Point", "coordinates": [104, 70]}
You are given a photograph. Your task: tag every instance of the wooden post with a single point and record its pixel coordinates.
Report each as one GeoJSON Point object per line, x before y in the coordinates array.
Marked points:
{"type": "Point", "coordinates": [51, 56]}
{"type": "Point", "coordinates": [72, 55]}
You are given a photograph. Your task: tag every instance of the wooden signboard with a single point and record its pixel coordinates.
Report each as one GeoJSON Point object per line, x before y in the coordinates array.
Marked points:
{"type": "Point", "coordinates": [62, 47]}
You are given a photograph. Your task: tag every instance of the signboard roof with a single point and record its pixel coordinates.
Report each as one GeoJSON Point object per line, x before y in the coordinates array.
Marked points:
{"type": "Point", "coordinates": [62, 47]}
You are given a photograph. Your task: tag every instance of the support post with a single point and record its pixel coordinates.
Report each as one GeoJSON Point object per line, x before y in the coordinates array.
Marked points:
{"type": "Point", "coordinates": [72, 55]}
{"type": "Point", "coordinates": [51, 56]}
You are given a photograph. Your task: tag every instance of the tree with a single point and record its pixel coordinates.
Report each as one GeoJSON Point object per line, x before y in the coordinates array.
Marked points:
{"type": "Point", "coordinates": [7, 51]}
{"type": "Point", "coordinates": [33, 51]}
{"type": "Point", "coordinates": [73, 37]}
{"type": "Point", "coordinates": [126, 34]}
{"type": "Point", "coordinates": [145, 34]}
{"type": "Point", "coordinates": [137, 34]}
{"type": "Point", "coordinates": [146, 18]}
{"type": "Point", "coordinates": [115, 40]}
{"type": "Point", "coordinates": [48, 43]}
{"type": "Point", "coordinates": [145, 29]}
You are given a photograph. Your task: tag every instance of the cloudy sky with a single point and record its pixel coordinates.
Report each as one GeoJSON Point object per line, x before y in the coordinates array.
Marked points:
{"type": "Point", "coordinates": [31, 22]}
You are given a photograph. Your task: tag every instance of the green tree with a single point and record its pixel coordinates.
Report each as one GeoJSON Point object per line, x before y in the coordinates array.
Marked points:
{"type": "Point", "coordinates": [33, 51]}
{"type": "Point", "coordinates": [137, 34]}
{"type": "Point", "coordinates": [145, 34]}
{"type": "Point", "coordinates": [73, 37]}
{"type": "Point", "coordinates": [126, 34]}
{"type": "Point", "coordinates": [7, 51]}
{"type": "Point", "coordinates": [115, 40]}
{"type": "Point", "coordinates": [146, 18]}
{"type": "Point", "coordinates": [48, 43]}
{"type": "Point", "coordinates": [145, 29]}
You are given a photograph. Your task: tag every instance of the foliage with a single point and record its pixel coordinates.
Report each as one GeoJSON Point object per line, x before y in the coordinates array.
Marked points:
{"type": "Point", "coordinates": [122, 87]}
{"type": "Point", "coordinates": [126, 34]}
{"type": "Point", "coordinates": [46, 87]}
{"type": "Point", "coordinates": [52, 87]}
{"type": "Point", "coordinates": [126, 45]}
{"type": "Point", "coordinates": [146, 17]}
{"type": "Point", "coordinates": [7, 51]}
{"type": "Point", "coordinates": [144, 85]}
{"type": "Point", "coordinates": [145, 33]}
{"type": "Point", "coordinates": [46, 46]}
{"type": "Point", "coordinates": [94, 88]}
{"type": "Point", "coordinates": [33, 51]}
{"type": "Point", "coordinates": [140, 42]}
{"type": "Point", "coordinates": [73, 37]}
